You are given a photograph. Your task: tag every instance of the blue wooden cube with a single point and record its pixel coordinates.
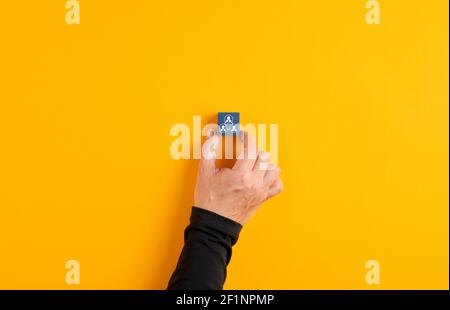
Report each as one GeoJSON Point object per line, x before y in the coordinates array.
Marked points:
{"type": "Point", "coordinates": [228, 123]}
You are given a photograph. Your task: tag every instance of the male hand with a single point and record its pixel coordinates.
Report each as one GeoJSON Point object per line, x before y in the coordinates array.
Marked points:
{"type": "Point", "coordinates": [236, 193]}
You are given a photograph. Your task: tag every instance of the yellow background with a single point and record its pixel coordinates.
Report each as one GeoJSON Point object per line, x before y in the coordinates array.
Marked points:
{"type": "Point", "coordinates": [85, 113]}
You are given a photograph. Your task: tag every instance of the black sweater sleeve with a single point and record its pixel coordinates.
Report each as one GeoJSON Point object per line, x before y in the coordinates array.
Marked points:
{"type": "Point", "coordinates": [206, 253]}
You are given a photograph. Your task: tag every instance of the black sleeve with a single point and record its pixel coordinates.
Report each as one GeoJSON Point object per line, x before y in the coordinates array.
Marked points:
{"type": "Point", "coordinates": [206, 253]}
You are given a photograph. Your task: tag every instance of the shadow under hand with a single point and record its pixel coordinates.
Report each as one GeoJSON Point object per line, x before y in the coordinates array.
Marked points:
{"type": "Point", "coordinates": [174, 232]}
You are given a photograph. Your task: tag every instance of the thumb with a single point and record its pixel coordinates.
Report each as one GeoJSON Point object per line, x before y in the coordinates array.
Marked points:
{"type": "Point", "coordinates": [208, 161]}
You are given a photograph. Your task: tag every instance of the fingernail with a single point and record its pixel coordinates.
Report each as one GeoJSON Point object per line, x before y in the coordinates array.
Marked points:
{"type": "Point", "coordinates": [264, 155]}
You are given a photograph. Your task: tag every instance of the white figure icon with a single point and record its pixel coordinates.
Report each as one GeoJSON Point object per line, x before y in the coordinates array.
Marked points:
{"type": "Point", "coordinates": [228, 125]}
